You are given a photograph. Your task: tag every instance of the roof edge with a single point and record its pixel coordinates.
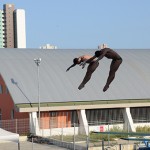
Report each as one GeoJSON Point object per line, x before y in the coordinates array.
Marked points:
{"type": "Point", "coordinates": [83, 105]}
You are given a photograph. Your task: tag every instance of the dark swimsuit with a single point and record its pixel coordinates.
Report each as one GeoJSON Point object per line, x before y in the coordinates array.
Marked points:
{"type": "Point", "coordinates": [117, 59]}
{"type": "Point", "coordinates": [91, 63]}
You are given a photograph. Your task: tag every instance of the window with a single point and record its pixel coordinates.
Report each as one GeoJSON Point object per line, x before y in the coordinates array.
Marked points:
{"type": "Point", "coordinates": [74, 117]}
{"type": "Point", "coordinates": [65, 118]}
{"type": "Point", "coordinates": [12, 114]}
{"type": "Point", "coordinates": [140, 114]}
{"type": "Point", "coordinates": [104, 116]}
{"type": "Point", "coordinates": [1, 89]}
{"type": "Point", "coordinates": [53, 114]}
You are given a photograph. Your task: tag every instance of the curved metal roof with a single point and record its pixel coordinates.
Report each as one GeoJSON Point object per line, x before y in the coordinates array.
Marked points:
{"type": "Point", "coordinates": [19, 72]}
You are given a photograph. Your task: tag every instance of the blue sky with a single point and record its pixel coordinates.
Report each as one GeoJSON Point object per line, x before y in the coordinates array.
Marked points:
{"type": "Point", "coordinates": [78, 24]}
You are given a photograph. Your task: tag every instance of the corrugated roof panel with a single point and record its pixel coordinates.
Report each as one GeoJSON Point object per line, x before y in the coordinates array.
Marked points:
{"type": "Point", "coordinates": [19, 72]}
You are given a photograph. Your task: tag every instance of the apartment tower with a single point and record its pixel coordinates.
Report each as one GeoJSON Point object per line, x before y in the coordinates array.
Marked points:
{"type": "Point", "coordinates": [1, 29]}
{"type": "Point", "coordinates": [8, 25]}
{"type": "Point", "coordinates": [13, 27]}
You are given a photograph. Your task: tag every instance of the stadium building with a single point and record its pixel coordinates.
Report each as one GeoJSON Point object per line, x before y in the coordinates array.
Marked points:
{"type": "Point", "coordinates": [25, 87]}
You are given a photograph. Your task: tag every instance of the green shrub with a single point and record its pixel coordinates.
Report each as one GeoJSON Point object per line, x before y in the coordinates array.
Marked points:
{"type": "Point", "coordinates": [143, 129]}
{"type": "Point", "coordinates": [107, 137]}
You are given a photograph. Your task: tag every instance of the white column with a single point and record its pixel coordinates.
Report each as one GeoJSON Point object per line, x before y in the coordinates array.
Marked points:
{"type": "Point", "coordinates": [129, 125]}
{"type": "Point", "coordinates": [83, 123]}
{"type": "Point", "coordinates": [34, 126]}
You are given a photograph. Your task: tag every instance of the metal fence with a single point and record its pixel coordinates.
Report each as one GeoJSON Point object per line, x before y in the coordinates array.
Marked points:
{"type": "Point", "coordinates": [73, 137]}
{"type": "Point", "coordinates": [20, 126]}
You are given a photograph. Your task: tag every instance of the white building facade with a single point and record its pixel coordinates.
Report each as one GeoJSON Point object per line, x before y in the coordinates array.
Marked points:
{"type": "Point", "coordinates": [48, 46]}
{"type": "Point", "coordinates": [20, 28]}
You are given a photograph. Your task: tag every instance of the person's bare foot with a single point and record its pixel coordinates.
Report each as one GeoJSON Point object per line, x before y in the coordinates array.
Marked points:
{"type": "Point", "coordinates": [105, 88]}
{"type": "Point", "coordinates": [81, 86]}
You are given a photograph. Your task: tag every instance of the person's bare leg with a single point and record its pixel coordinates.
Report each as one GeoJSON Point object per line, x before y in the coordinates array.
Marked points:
{"type": "Point", "coordinates": [113, 68]}
{"type": "Point", "coordinates": [85, 80]}
{"type": "Point", "coordinates": [91, 68]}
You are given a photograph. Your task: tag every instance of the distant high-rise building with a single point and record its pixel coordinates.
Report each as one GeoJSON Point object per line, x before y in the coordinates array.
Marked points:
{"type": "Point", "coordinates": [48, 46]}
{"type": "Point", "coordinates": [12, 27]}
{"type": "Point", "coordinates": [1, 30]}
{"type": "Point", "coordinates": [20, 32]}
{"type": "Point", "coordinates": [102, 46]}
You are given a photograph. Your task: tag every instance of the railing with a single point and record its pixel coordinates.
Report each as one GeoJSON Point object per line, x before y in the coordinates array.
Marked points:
{"type": "Point", "coordinates": [70, 135]}
{"type": "Point", "coordinates": [20, 126]}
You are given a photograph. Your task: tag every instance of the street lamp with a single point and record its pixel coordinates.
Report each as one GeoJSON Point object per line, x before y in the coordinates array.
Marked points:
{"type": "Point", "coordinates": [38, 61]}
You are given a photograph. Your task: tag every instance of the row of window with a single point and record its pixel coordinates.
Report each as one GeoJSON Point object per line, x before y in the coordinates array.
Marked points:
{"type": "Point", "coordinates": [115, 115]}
{"type": "Point", "coordinates": [103, 116]}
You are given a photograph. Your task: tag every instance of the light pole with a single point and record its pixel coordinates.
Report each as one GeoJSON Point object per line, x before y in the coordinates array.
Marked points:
{"type": "Point", "coordinates": [38, 61]}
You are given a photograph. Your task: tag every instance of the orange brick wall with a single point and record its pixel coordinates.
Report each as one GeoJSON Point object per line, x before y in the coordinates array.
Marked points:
{"type": "Point", "coordinates": [62, 119]}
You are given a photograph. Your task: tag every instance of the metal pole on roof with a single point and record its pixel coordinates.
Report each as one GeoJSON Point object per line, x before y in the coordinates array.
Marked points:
{"type": "Point", "coordinates": [38, 61]}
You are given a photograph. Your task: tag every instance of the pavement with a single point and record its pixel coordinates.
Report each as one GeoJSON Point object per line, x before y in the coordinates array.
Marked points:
{"type": "Point", "coordinates": [25, 145]}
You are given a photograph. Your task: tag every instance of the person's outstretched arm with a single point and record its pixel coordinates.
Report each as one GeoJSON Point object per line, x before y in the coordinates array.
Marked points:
{"type": "Point", "coordinates": [70, 67]}
{"type": "Point", "coordinates": [90, 60]}
{"type": "Point", "coordinates": [87, 61]}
